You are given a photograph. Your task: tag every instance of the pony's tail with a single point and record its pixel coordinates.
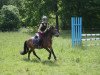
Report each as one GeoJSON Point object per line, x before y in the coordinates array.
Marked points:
{"type": "Point", "coordinates": [26, 49]}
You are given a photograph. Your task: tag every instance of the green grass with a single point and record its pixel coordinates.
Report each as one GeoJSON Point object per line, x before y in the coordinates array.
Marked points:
{"type": "Point", "coordinates": [70, 61]}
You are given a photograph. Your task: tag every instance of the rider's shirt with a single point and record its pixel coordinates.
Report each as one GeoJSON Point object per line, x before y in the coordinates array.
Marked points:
{"type": "Point", "coordinates": [42, 27]}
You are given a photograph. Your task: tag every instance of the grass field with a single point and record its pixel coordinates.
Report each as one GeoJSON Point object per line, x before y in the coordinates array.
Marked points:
{"type": "Point", "coordinates": [70, 61]}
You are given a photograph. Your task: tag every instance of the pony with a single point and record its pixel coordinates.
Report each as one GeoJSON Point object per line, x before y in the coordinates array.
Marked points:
{"type": "Point", "coordinates": [30, 46]}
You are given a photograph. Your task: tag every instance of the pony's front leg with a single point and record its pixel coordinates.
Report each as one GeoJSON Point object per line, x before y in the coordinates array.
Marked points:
{"type": "Point", "coordinates": [53, 53]}
{"type": "Point", "coordinates": [36, 54]}
{"type": "Point", "coordinates": [49, 53]}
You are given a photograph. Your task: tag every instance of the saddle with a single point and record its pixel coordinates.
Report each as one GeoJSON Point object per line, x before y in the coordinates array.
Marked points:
{"type": "Point", "coordinates": [38, 39]}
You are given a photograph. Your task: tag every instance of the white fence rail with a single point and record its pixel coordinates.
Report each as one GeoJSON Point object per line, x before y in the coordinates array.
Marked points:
{"type": "Point", "coordinates": [90, 34]}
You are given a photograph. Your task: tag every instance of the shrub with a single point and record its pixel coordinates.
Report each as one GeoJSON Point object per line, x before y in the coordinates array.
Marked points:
{"type": "Point", "coordinates": [10, 20]}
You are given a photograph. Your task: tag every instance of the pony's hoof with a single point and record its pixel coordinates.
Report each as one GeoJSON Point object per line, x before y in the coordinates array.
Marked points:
{"type": "Point", "coordinates": [39, 59]}
{"type": "Point", "coordinates": [55, 59]}
{"type": "Point", "coordinates": [49, 58]}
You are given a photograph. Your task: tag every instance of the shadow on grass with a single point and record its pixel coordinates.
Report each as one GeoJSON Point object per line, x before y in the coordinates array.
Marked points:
{"type": "Point", "coordinates": [26, 59]}
{"type": "Point", "coordinates": [44, 62]}
{"type": "Point", "coordinates": [49, 63]}
{"type": "Point", "coordinates": [33, 60]}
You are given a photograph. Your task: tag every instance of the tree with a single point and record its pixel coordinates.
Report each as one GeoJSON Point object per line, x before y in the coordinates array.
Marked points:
{"type": "Point", "coordinates": [3, 2]}
{"type": "Point", "coordinates": [88, 9]}
{"type": "Point", "coordinates": [56, 13]}
{"type": "Point", "coordinates": [31, 11]}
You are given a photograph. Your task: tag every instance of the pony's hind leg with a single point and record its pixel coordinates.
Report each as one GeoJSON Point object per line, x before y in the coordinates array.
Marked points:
{"type": "Point", "coordinates": [49, 53]}
{"type": "Point", "coordinates": [29, 52]}
{"type": "Point", "coordinates": [36, 54]}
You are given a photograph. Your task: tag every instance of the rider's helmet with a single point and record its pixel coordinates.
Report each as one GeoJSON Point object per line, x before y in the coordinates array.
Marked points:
{"type": "Point", "coordinates": [44, 19]}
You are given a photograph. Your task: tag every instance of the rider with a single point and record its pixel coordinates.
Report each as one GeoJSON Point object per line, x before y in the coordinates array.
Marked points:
{"type": "Point", "coordinates": [43, 25]}
{"type": "Point", "coordinates": [42, 28]}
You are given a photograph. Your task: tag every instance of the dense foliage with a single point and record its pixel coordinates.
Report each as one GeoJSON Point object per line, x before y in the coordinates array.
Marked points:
{"type": "Point", "coordinates": [58, 11]}
{"type": "Point", "coordinates": [9, 18]}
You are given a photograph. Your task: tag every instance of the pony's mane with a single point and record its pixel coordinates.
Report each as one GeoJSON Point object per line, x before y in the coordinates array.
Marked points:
{"type": "Point", "coordinates": [49, 30]}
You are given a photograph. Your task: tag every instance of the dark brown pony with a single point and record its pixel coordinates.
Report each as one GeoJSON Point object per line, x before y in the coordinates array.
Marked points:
{"type": "Point", "coordinates": [29, 45]}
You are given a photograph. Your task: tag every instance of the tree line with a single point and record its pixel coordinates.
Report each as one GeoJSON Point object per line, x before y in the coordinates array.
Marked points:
{"type": "Point", "coordinates": [17, 13]}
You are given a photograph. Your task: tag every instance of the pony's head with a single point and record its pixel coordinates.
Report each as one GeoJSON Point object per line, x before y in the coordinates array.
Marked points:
{"type": "Point", "coordinates": [53, 31]}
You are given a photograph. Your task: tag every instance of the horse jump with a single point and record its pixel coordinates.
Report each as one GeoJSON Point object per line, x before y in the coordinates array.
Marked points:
{"type": "Point", "coordinates": [77, 36]}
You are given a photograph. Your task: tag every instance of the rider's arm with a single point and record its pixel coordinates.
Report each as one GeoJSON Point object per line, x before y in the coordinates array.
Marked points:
{"type": "Point", "coordinates": [39, 29]}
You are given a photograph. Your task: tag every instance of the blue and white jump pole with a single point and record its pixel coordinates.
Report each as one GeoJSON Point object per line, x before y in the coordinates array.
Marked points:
{"type": "Point", "coordinates": [76, 23]}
